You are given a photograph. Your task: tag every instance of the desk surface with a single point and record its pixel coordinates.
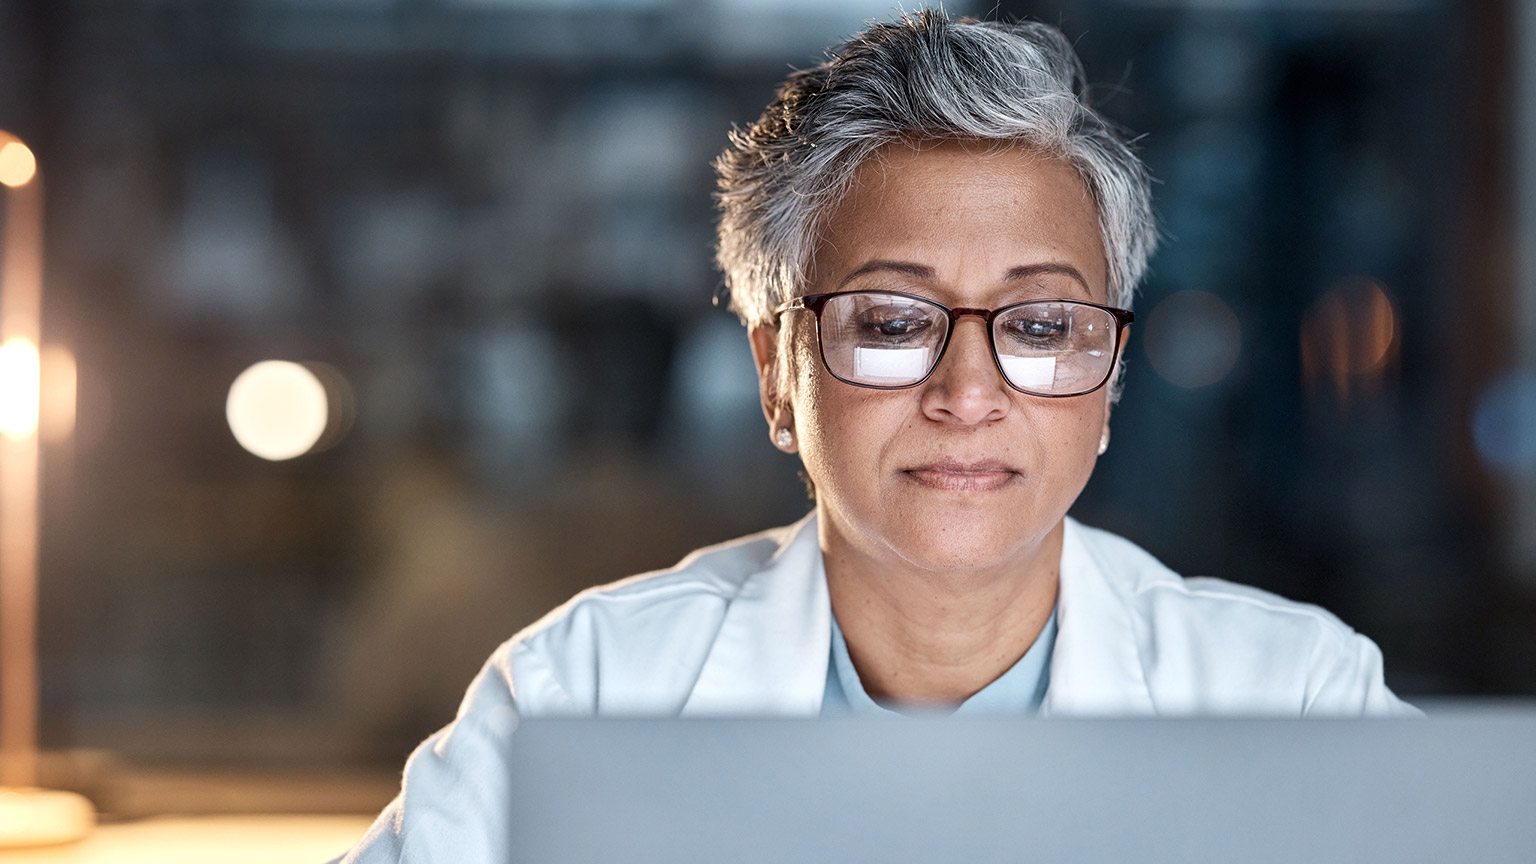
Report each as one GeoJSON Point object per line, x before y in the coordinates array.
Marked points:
{"type": "Point", "coordinates": [226, 839]}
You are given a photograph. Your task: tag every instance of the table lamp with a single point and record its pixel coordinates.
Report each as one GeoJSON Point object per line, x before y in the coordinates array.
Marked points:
{"type": "Point", "coordinates": [29, 816]}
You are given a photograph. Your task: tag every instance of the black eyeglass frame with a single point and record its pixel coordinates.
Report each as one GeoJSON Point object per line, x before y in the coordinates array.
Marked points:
{"type": "Point", "coordinates": [814, 303]}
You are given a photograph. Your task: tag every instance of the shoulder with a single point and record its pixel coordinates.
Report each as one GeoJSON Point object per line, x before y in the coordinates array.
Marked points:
{"type": "Point", "coordinates": [634, 646]}
{"type": "Point", "coordinates": [645, 635]}
{"type": "Point", "coordinates": [1157, 592]}
{"type": "Point", "coordinates": [1208, 644]}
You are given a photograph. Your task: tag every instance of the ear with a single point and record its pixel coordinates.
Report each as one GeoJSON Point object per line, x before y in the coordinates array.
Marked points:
{"type": "Point", "coordinates": [770, 378]}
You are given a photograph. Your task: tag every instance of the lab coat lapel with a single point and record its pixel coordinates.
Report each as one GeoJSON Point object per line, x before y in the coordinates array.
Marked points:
{"type": "Point", "coordinates": [770, 656]}
{"type": "Point", "coordinates": [1096, 667]}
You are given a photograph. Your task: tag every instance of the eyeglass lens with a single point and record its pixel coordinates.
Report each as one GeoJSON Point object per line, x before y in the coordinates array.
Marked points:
{"type": "Point", "coordinates": [888, 340]}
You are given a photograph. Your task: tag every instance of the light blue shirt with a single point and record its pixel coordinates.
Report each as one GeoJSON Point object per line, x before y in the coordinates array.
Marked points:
{"type": "Point", "coordinates": [1019, 691]}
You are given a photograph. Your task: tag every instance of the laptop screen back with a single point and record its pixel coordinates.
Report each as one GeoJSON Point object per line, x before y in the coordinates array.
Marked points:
{"type": "Point", "coordinates": [1459, 788]}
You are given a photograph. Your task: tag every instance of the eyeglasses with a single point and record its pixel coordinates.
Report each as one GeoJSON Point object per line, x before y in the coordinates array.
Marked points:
{"type": "Point", "coordinates": [889, 340]}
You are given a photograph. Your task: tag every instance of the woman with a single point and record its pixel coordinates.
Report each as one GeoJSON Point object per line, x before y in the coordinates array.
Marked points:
{"type": "Point", "coordinates": [933, 242]}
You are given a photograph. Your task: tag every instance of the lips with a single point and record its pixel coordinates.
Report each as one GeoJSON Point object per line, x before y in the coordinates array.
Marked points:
{"type": "Point", "coordinates": [959, 476]}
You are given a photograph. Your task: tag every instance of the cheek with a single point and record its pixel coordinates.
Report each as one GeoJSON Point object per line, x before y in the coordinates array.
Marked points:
{"type": "Point", "coordinates": [839, 426]}
{"type": "Point", "coordinates": [1071, 435]}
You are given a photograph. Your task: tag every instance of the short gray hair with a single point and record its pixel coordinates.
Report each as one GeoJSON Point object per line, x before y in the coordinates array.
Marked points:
{"type": "Point", "coordinates": [923, 77]}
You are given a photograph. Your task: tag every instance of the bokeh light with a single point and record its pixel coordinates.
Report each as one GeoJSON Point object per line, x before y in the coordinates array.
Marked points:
{"type": "Point", "coordinates": [1504, 423]}
{"type": "Point", "coordinates": [17, 164]}
{"type": "Point", "coordinates": [1193, 339]}
{"type": "Point", "coordinates": [1349, 338]}
{"type": "Point", "coordinates": [19, 387]}
{"type": "Point", "coordinates": [277, 409]}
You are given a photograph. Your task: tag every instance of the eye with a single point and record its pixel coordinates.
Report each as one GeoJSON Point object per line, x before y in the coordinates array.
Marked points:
{"type": "Point", "coordinates": [896, 322]}
{"type": "Point", "coordinates": [1038, 328]}
{"type": "Point", "coordinates": [899, 326]}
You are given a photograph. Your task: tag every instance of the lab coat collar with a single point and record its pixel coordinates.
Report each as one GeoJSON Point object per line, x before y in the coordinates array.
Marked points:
{"type": "Point", "coordinates": [770, 656]}
{"type": "Point", "coordinates": [1096, 667]}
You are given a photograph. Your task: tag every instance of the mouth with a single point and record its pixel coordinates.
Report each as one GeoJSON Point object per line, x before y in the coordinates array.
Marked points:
{"type": "Point", "coordinates": [955, 476]}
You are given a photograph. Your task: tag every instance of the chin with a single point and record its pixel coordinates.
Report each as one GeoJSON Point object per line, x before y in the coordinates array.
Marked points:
{"type": "Point", "coordinates": [958, 543]}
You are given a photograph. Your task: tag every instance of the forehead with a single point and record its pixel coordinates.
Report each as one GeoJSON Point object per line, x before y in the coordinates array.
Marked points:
{"type": "Point", "coordinates": [970, 213]}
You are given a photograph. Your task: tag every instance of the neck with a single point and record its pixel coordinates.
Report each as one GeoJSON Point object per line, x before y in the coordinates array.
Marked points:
{"type": "Point", "coordinates": [924, 637]}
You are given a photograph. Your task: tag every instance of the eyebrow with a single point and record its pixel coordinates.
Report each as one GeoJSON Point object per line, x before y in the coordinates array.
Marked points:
{"type": "Point", "coordinates": [922, 271]}
{"type": "Point", "coordinates": [1026, 271]}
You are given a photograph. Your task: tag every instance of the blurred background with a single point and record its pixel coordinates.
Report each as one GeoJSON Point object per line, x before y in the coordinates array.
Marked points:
{"type": "Point", "coordinates": [483, 228]}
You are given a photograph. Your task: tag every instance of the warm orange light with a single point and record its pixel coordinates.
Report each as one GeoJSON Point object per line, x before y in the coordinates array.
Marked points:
{"type": "Point", "coordinates": [19, 388]}
{"type": "Point", "coordinates": [17, 164]}
{"type": "Point", "coordinates": [39, 817]}
{"type": "Point", "coordinates": [56, 403]}
{"type": "Point", "coordinates": [1349, 338]}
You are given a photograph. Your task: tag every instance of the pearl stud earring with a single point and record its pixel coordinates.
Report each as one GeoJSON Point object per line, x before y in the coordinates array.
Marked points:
{"type": "Point", "coordinates": [784, 438]}
{"type": "Point", "coordinates": [1104, 444]}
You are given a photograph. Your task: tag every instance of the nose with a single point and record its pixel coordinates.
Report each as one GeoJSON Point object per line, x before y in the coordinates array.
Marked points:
{"type": "Point", "coordinates": [967, 388]}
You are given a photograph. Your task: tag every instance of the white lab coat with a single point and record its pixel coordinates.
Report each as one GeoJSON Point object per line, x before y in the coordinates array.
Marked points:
{"type": "Point", "coordinates": [744, 628]}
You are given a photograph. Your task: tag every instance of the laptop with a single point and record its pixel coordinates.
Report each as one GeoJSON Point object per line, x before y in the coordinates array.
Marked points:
{"type": "Point", "coordinates": [1459, 786]}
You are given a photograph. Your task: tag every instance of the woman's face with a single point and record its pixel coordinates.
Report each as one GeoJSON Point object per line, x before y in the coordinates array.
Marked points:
{"type": "Point", "coordinates": [960, 472]}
